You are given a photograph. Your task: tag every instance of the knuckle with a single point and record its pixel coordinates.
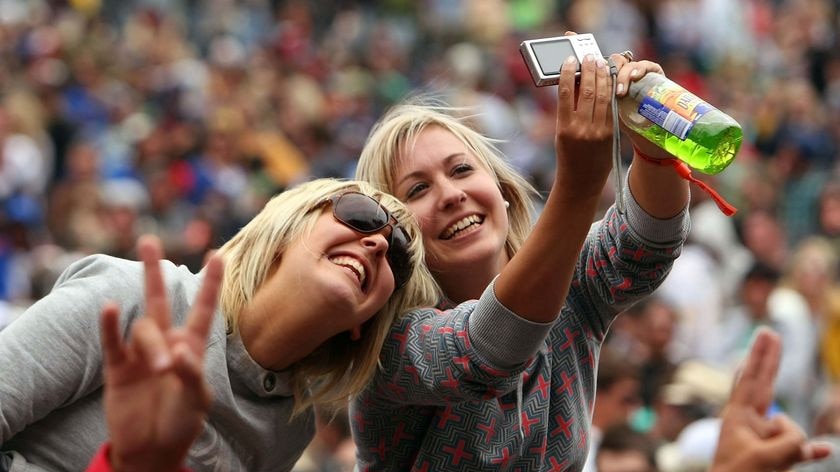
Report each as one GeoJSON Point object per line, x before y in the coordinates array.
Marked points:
{"type": "Point", "coordinates": [587, 92]}
{"type": "Point", "coordinates": [564, 91]}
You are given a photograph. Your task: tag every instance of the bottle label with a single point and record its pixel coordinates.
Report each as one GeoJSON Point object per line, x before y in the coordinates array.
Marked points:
{"type": "Point", "coordinates": [676, 111]}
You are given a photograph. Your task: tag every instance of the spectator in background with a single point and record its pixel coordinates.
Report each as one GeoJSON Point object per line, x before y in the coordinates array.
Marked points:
{"type": "Point", "coordinates": [765, 303]}
{"type": "Point", "coordinates": [332, 448]}
{"type": "Point", "coordinates": [695, 391]}
{"type": "Point", "coordinates": [686, 409]}
{"type": "Point", "coordinates": [644, 336]}
{"type": "Point", "coordinates": [616, 398]}
{"type": "Point", "coordinates": [829, 215]}
{"type": "Point", "coordinates": [623, 449]}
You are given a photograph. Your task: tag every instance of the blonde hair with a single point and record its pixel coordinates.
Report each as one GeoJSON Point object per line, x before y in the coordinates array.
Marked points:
{"type": "Point", "coordinates": [339, 368]}
{"type": "Point", "coordinates": [397, 131]}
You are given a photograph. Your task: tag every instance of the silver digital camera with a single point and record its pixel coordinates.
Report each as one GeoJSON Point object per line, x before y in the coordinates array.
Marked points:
{"type": "Point", "coordinates": [544, 56]}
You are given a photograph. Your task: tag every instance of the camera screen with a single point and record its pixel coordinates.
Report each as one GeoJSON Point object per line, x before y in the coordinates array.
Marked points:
{"type": "Point", "coordinates": [550, 54]}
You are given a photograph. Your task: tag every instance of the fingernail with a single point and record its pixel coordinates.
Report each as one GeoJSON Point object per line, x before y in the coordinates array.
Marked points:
{"type": "Point", "coordinates": [571, 60]}
{"type": "Point", "coordinates": [601, 63]}
{"type": "Point", "coordinates": [620, 88]}
{"type": "Point", "coordinates": [589, 57]}
{"type": "Point", "coordinates": [634, 73]}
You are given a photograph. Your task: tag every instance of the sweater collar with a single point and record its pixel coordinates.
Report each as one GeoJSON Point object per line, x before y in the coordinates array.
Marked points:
{"type": "Point", "coordinates": [262, 382]}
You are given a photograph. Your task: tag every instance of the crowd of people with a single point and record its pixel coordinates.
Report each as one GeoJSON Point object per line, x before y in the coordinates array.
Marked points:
{"type": "Point", "coordinates": [184, 118]}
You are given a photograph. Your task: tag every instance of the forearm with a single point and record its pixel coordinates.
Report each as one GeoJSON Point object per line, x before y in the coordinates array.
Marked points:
{"type": "Point", "coordinates": [624, 258]}
{"type": "Point", "coordinates": [659, 190]}
{"type": "Point", "coordinates": [536, 281]}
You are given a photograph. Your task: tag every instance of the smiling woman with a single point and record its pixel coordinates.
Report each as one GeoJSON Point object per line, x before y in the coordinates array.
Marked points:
{"type": "Point", "coordinates": [472, 390]}
{"type": "Point", "coordinates": [307, 297]}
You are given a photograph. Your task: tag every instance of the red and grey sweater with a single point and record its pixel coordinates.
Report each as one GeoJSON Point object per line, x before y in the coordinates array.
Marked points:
{"type": "Point", "coordinates": [476, 388]}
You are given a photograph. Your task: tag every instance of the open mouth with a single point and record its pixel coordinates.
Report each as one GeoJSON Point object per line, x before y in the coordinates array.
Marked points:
{"type": "Point", "coordinates": [463, 226]}
{"type": "Point", "coordinates": [354, 265]}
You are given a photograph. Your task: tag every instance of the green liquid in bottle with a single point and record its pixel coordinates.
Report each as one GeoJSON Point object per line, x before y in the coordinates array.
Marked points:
{"type": "Point", "coordinates": [712, 142]}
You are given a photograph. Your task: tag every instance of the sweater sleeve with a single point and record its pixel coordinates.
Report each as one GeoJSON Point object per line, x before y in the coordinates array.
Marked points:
{"type": "Point", "coordinates": [470, 352]}
{"type": "Point", "coordinates": [624, 258]}
{"type": "Point", "coordinates": [50, 357]}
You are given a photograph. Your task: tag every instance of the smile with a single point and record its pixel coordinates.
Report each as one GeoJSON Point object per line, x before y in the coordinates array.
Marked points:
{"type": "Point", "coordinates": [353, 264]}
{"type": "Point", "coordinates": [463, 226]}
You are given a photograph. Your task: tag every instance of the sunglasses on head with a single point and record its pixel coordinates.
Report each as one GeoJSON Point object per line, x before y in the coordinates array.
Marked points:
{"type": "Point", "coordinates": [362, 213]}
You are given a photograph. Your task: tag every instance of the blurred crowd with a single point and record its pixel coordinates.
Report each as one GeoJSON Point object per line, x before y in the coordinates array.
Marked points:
{"type": "Point", "coordinates": [181, 117]}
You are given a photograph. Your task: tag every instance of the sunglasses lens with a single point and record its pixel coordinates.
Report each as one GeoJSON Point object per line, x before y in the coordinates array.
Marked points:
{"type": "Point", "coordinates": [398, 257]}
{"type": "Point", "coordinates": [366, 215]}
{"type": "Point", "coordinates": [361, 213]}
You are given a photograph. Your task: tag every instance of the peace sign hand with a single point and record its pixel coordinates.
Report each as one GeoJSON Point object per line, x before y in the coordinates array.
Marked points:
{"type": "Point", "coordinates": [156, 397]}
{"type": "Point", "coordinates": [749, 441]}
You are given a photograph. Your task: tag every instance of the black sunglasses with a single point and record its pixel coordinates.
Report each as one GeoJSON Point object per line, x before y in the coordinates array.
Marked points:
{"type": "Point", "coordinates": [362, 213]}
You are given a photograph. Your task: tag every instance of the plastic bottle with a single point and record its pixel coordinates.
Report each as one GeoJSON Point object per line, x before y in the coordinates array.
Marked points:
{"type": "Point", "coordinates": [683, 124]}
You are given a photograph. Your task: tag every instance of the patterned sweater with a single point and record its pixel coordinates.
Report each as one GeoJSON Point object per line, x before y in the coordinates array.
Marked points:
{"type": "Point", "coordinates": [445, 399]}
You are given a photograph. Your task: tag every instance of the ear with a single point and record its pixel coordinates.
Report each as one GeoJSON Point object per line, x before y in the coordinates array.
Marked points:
{"type": "Point", "coordinates": [356, 333]}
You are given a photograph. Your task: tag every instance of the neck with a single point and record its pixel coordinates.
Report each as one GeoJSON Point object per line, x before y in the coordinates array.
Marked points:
{"type": "Point", "coordinates": [277, 339]}
{"type": "Point", "coordinates": [468, 281]}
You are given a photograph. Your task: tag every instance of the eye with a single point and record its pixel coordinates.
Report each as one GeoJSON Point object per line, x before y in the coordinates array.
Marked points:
{"type": "Point", "coordinates": [462, 168]}
{"type": "Point", "coordinates": [415, 190]}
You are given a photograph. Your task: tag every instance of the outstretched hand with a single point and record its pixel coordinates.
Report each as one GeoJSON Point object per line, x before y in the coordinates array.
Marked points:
{"type": "Point", "coordinates": [749, 440]}
{"type": "Point", "coordinates": [156, 397]}
{"type": "Point", "coordinates": [584, 129]}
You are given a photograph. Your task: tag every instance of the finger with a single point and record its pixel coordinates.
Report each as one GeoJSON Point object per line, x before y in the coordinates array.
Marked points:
{"type": "Point", "coordinates": [785, 449]}
{"type": "Point", "coordinates": [621, 86]}
{"type": "Point", "coordinates": [569, 33]}
{"type": "Point", "coordinates": [603, 93]}
{"type": "Point", "coordinates": [566, 93]}
{"type": "Point", "coordinates": [754, 385]}
{"type": "Point", "coordinates": [633, 71]}
{"type": "Point", "coordinates": [201, 317]}
{"type": "Point", "coordinates": [816, 450]}
{"type": "Point", "coordinates": [157, 307]}
{"type": "Point", "coordinates": [148, 341]}
{"type": "Point", "coordinates": [588, 86]}
{"type": "Point", "coordinates": [190, 370]}
{"type": "Point", "coordinates": [112, 345]}
{"type": "Point", "coordinates": [767, 367]}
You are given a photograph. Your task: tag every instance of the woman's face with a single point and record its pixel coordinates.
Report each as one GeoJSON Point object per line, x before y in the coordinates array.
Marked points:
{"type": "Point", "coordinates": [456, 201]}
{"type": "Point", "coordinates": [334, 273]}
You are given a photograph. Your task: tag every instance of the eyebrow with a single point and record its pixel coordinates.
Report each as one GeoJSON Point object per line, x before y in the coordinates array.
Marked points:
{"type": "Point", "coordinates": [446, 161]}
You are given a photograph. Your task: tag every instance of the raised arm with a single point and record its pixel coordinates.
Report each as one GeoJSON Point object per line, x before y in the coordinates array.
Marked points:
{"type": "Point", "coordinates": [659, 191]}
{"type": "Point", "coordinates": [535, 282]}
{"type": "Point", "coordinates": [156, 398]}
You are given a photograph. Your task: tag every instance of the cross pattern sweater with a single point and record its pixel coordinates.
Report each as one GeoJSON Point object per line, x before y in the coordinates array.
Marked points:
{"type": "Point", "coordinates": [451, 396]}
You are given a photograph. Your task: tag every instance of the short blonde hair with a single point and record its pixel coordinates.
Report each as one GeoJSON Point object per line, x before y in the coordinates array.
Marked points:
{"type": "Point", "coordinates": [339, 368]}
{"type": "Point", "coordinates": [397, 131]}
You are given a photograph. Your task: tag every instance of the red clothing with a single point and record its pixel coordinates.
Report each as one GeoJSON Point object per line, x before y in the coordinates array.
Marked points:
{"type": "Point", "coordinates": [100, 461]}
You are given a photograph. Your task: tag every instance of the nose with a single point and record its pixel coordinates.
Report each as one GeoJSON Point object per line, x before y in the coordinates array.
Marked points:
{"type": "Point", "coordinates": [377, 243]}
{"type": "Point", "coordinates": [450, 195]}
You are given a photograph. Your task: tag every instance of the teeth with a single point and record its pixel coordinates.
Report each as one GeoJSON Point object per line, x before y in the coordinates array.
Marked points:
{"type": "Point", "coordinates": [460, 225]}
{"type": "Point", "coordinates": [352, 264]}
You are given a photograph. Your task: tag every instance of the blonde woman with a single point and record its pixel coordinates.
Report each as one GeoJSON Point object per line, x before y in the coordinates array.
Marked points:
{"type": "Point", "coordinates": [311, 287]}
{"type": "Point", "coordinates": [439, 402]}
